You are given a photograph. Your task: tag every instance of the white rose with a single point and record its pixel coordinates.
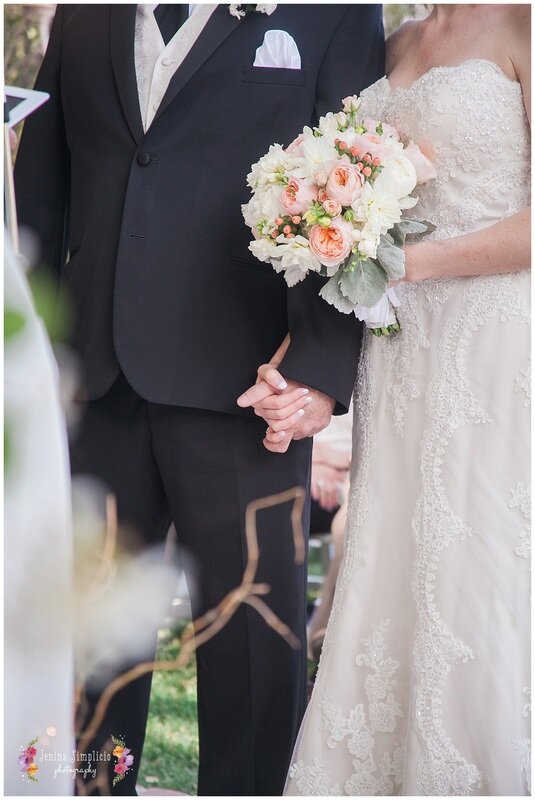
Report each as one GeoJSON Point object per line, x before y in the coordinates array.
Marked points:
{"type": "Point", "coordinates": [368, 246]}
{"type": "Point", "coordinates": [351, 103]}
{"type": "Point", "coordinates": [328, 125]}
{"type": "Point", "coordinates": [398, 177]}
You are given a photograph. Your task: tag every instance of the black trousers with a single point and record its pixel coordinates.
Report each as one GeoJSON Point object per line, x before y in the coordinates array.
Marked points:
{"type": "Point", "coordinates": [200, 469]}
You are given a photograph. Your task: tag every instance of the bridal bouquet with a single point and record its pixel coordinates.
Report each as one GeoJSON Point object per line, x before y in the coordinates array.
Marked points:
{"type": "Point", "coordinates": [332, 203]}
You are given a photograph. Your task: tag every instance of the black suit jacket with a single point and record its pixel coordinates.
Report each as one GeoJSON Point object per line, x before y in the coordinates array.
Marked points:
{"type": "Point", "coordinates": [163, 284]}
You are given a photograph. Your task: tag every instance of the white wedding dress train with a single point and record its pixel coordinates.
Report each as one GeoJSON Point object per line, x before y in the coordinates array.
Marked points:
{"type": "Point", "coordinates": [423, 683]}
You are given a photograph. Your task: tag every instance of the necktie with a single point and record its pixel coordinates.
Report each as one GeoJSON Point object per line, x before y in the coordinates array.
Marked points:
{"type": "Point", "coordinates": [170, 17]}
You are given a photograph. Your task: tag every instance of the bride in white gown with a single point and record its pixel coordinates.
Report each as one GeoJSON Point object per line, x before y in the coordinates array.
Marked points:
{"type": "Point", "coordinates": [423, 683]}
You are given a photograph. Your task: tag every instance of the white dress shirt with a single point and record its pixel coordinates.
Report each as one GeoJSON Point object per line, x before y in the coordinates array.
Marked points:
{"type": "Point", "coordinates": [157, 62]}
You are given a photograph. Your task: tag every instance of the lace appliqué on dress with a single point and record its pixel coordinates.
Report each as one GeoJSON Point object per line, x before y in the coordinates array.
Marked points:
{"type": "Point", "coordinates": [372, 776]}
{"type": "Point", "coordinates": [313, 781]}
{"type": "Point", "coordinates": [523, 384]}
{"type": "Point", "coordinates": [521, 499]}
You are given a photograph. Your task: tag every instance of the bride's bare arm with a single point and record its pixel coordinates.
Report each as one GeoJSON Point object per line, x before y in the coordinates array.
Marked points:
{"type": "Point", "coordinates": [502, 247]}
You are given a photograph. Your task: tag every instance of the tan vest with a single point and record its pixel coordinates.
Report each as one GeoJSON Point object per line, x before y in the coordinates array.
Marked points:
{"type": "Point", "coordinates": [156, 62]}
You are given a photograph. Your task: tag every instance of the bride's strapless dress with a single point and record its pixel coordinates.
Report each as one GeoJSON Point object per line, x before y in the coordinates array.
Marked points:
{"type": "Point", "coordinates": [423, 683]}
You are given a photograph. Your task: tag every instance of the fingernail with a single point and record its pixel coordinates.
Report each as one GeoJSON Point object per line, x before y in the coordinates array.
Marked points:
{"type": "Point", "coordinates": [305, 391]}
{"type": "Point", "coordinates": [309, 400]}
{"type": "Point", "coordinates": [282, 385]}
{"type": "Point", "coordinates": [281, 435]}
{"type": "Point", "coordinates": [300, 412]}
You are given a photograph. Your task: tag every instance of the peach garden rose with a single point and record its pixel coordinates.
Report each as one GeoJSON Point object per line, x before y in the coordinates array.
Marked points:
{"type": "Point", "coordinates": [331, 244]}
{"type": "Point", "coordinates": [344, 184]}
{"type": "Point", "coordinates": [297, 196]}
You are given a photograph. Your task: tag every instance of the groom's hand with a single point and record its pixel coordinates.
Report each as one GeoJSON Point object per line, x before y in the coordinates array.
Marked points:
{"type": "Point", "coordinates": [292, 411]}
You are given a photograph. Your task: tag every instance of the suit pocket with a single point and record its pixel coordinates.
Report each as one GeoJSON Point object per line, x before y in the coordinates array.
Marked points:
{"type": "Point", "coordinates": [274, 76]}
{"type": "Point", "coordinates": [253, 265]}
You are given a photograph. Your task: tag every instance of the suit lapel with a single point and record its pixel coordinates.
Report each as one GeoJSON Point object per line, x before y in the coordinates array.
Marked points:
{"type": "Point", "coordinates": [122, 32]}
{"type": "Point", "coordinates": [220, 25]}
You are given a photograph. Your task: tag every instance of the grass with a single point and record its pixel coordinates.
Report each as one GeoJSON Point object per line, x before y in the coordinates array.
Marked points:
{"type": "Point", "coordinates": [171, 752]}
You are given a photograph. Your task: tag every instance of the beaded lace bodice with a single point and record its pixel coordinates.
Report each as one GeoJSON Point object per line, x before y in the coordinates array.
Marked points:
{"type": "Point", "coordinates": [470, 121]}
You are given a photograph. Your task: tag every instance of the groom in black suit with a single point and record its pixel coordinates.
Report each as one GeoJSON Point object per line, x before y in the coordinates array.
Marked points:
{"type": "Point", "coordinates": [173, 316]}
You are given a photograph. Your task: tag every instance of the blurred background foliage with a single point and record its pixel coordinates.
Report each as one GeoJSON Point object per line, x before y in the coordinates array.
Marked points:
{"type": "Point", "coordinates": [26, 32]}
{"type": "Point", "coordinates": [25, 36]}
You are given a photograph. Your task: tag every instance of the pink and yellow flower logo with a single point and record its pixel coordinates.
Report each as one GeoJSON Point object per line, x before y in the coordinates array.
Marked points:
{"type": "Point", "coordinates": [27, 765]}
{"type": "Point", "coordinates": [124, 759]}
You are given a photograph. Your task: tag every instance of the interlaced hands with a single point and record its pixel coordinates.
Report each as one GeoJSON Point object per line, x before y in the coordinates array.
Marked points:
{"type": "Point", "coordinates": [291, 410]}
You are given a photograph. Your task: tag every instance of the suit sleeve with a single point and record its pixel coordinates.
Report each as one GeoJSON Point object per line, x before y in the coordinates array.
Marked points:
{"type": "Point", "coordinates": [42, 168]}
{"type": "Point", "coordinates": [325, 344]}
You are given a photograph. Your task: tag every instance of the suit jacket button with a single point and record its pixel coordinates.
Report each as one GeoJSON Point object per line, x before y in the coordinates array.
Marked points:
{"type": "Point", "coordinates": [143, 159]}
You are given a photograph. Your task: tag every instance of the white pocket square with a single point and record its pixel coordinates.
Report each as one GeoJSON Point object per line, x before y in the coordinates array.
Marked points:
{"type": "Point", "coordinates": [278, 50]}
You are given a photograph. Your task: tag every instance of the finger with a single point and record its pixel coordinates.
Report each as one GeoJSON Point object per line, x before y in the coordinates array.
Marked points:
{"type": "Point", "coordinates": [279, 415]}
{"type": "Point", "coordinates": [278, 442]}
{"type": "Point", "coordinates": [285, 424]}
{"type": "Point", "coordinates": [272, 376]}
{"type": "Point", "coordinates": [280, 401]}
{"type": "Point", "coordinates": [254, 394]}
{"type": "Point", "coordinates": [277, 447]}
{"type": "Point", "coordinates": [275, 437]}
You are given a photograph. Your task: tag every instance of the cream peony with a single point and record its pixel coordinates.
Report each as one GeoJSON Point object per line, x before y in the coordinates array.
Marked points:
{"type": "Point", "coordinates": [397, 178]}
